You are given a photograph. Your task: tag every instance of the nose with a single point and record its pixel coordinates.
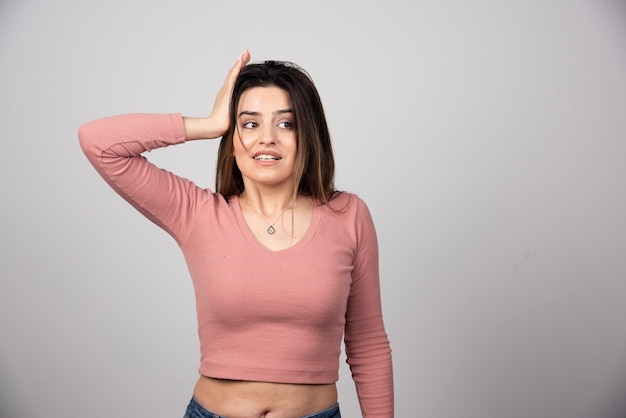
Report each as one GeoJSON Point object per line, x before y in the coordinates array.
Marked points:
{"type": "Point", "coordinates": [267, 135]}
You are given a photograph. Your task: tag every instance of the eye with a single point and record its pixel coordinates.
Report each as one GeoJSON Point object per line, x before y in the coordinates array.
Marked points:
{"type": "Point", "coordinates": [249, 125]}
{"type": "Point", "coordinates": [285, 125]}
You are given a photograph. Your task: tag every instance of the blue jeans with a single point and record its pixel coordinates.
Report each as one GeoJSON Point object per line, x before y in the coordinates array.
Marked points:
{"type": "Point", "coordinates": [195, 410]}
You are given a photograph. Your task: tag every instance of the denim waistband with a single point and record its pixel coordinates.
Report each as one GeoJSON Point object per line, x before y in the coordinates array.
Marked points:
{"type": "Point", "coordinates": [195, 410]}
{"type": "Point", "coordinates": [332, 412]}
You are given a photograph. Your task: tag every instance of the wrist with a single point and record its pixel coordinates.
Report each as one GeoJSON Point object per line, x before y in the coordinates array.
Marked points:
{"type": "Point", "coordinates": [206, 127]}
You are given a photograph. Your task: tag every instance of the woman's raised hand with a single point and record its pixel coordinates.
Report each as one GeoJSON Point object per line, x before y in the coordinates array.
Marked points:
{"type": "Point", "coordinates": [218, 121]}
{"type": "Point", "coordinates": [222, 100]}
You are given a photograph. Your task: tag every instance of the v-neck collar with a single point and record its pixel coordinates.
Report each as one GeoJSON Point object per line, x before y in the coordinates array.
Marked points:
{"type": "Point", "coordinates": [254, 242]}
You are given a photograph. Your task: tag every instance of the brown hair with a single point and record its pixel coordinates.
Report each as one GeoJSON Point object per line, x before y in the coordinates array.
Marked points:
{"type": "Point", "coordinates": [315, 163]}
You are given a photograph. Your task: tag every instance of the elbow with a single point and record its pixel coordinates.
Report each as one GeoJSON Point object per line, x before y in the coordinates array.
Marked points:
{"type": "Point", "coordinates": [84, 136]}
{"type": "Point", "coordinates": [88, 139]}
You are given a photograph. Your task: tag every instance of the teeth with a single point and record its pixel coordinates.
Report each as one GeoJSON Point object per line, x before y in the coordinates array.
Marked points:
{"type": "Point", "coordinates": [266, 157]}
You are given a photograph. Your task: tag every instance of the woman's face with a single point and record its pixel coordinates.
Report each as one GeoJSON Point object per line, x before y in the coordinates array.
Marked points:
{"type": "Point", "coordinates": [265, 139]}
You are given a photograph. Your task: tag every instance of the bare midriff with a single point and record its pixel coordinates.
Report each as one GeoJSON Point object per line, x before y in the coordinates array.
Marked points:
{"type": "Point", "coordinates": [244, 399]}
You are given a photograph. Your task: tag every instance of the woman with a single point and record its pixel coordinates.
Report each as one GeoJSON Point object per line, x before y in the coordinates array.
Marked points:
{"type": "Point", "coordinates": [283, 266]}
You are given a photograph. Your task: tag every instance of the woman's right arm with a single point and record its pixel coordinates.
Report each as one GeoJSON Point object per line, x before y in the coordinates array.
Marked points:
{"type": "Point", "coordinates": [114, 146]}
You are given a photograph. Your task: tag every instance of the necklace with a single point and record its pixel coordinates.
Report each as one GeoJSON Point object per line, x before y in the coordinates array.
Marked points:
{"type": "Point", "coordinates": [270, 229]}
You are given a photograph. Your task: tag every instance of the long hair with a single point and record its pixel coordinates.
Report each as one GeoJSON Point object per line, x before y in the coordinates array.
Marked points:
{"type": "Point", "coordinates": [315, 164]}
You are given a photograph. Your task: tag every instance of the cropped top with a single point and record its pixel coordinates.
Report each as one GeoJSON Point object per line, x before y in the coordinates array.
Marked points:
{"type": "Point", "coordinates": [272, 316]}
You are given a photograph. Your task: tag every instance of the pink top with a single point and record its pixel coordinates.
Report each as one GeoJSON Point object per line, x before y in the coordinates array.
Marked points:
{"type": "Point", "coordinates": [273, 316]}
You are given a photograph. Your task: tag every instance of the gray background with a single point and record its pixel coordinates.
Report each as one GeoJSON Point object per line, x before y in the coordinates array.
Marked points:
{"type": "Point", "coordinates": [487, 137]}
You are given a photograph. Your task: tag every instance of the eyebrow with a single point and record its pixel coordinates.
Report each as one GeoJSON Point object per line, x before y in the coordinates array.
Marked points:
{"type": "Point", "coordinates": [253, 113]}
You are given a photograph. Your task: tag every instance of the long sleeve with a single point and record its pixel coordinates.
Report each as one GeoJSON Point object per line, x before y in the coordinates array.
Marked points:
{"type": "Point", "coordinates": [114, 146]}
{"type": "Point", "coordinates": [367, 346]}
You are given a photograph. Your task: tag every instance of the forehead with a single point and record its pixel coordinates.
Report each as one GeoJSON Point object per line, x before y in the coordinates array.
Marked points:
{"type": "Point", "coordinates": [264, 98]}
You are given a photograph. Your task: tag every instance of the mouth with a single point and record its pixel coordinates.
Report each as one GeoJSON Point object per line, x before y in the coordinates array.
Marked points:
{"type": "Point", "coordinates": [266, 157]}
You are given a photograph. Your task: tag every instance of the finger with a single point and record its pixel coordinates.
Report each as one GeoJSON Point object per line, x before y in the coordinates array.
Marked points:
{"type": "Point", "coordinates": [243, 59]}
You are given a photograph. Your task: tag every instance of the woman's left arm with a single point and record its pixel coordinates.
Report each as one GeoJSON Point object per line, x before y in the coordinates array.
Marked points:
{"type": "Point", "coordinates": [367, 346]}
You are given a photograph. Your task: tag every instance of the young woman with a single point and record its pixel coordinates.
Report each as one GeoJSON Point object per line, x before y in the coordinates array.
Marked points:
{"type": "Point", "coordinates": [283, 265]}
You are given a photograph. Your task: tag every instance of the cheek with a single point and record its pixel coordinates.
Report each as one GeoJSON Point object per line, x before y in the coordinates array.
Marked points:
{"type": "Point", "coordinates": [243, 144]}
{"type": "Point", "coordinates": [239, 147]}
{"type": "Point", "coordinates": [294, 146]}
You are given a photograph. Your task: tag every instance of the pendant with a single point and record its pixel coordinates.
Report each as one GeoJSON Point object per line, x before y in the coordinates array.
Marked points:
{"type": "Point", "coordinates": [271, 230]}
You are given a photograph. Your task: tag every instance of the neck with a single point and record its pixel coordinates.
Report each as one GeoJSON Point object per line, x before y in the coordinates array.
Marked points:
{"type": "Point", "coordinates": [268, 204]}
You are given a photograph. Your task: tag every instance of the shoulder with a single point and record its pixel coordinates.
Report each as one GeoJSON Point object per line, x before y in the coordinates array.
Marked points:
{"type": "Point", "coordinates": [342, 201]}
{"type": "Point", "coordinates": [348, 206]}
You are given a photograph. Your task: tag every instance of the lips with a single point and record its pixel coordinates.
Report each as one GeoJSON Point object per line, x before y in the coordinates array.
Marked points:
{"type": "Point", "coordinates": [266, 156]}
